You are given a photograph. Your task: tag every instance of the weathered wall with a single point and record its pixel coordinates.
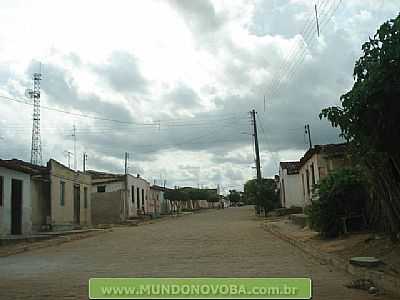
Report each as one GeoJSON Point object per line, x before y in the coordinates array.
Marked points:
{"type": "Point", "coordinates": [5, 210]}
{"type": "Point", "coordinates": [107, 208]}
{"type": "Point", "coordinates": [291, 190]}
{"type": "Point", "coordinates": [40, 203]}
{"type": "Point", "coordinates": [62, 216]}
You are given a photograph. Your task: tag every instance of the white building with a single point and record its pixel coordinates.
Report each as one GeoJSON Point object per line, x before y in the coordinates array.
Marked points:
{"type": "Point", "coordinates": [290, 184]}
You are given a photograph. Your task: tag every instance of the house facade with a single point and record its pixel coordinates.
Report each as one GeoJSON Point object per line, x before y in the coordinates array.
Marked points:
{"type": "Point", "coordinates": [16, 197]}
{"type": "Point", "coordinates": [37, 198]}
{"type": "Point", "coordinates": [317, 163]}
{"type": "Point", "coordinates": [70, 197]}
{"type": "Point", "coordinates": [290, 188]}
{"type": "Point", "coordinates": [118, 197]}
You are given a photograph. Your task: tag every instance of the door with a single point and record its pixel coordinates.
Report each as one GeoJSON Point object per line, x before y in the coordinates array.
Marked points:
{"type": "Point", "coordinates": [16, 206]}
{"type": "Point", "coordinates": [77, 204]}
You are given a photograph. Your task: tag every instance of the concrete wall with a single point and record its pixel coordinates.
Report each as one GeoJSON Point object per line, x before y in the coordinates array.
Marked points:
{"type": "Point", "coordinates": [41, 209]}
{"type": "Point", "coordinates": [5, 209]}
{"type": "Point", "coordinates": [62, 216]}
{"type": "Point", "coordinates": [108, 208]}
{"type": "Point", "coordinates": [290, 189]}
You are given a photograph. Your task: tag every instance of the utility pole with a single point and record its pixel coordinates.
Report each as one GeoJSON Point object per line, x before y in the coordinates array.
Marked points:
{"type": "Point", "coordinates": [307, 131]}
{"type": "Point", "coordinates": [258, 165]}
{"type": "Point", "coordinates": [84, 161]}
{"type": "Point", "coordinates": [36, 147]}
{"type": "Point", "coordinates": [126, 162]}
{"type": "Point", "coordinates": [74, 135]}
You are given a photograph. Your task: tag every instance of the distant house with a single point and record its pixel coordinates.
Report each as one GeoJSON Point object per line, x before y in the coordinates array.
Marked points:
{"type": "Point", "coordinates": [290, 184]}
{"type": "Point", "coordinates": [35, 198]}
{"type": "Point", "coordinates": [165, 204]}
{"type": "Point", "coordinates": [118, 197]}
{"type": "Point", "coordinates": [317, 163]}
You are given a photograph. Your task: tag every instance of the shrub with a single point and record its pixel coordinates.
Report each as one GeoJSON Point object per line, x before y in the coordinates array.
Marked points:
{"type": "Point", "coordinates": [341, 194]}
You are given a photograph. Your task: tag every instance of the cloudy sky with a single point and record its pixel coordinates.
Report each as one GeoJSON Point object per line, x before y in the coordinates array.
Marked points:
{"type": "Point", "coordinates": [172, 82]}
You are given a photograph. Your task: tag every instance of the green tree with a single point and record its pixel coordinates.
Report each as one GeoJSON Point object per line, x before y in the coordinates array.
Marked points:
{"type": "Point", "coordinates": [234, 196]}
{"type": "Point", "coordinates": [263, 194]}
{"type": "Point", "coordinates": [369, 119]}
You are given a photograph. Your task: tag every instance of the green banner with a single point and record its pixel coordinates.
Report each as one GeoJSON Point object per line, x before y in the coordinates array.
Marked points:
{"type": "Point", "coordinates": [200, 288]}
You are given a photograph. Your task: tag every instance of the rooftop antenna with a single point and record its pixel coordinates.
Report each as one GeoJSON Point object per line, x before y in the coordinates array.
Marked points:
{"type": "Point", "coordinates": [36, 146]}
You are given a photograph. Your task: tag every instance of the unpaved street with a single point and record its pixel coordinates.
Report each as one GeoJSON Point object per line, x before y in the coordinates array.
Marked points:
{"type": "Point", "coordinates": [222, 243]}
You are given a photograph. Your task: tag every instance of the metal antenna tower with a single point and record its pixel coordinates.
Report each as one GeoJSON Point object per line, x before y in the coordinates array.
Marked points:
{"type": "Point", "coordinates": [36, 149]}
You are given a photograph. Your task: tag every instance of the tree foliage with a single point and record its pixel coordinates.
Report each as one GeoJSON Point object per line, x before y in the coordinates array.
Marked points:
{"type": "Point", "coordinates": [176, 195]}
{"type": "Point", "coordinates": [341, 194]}
{"type": "Point", "coordinates": [263, 194]}
{"type": "Point", "coordinates": [369, 118]}
{"type": "Point", "coordinates": [234, 196]}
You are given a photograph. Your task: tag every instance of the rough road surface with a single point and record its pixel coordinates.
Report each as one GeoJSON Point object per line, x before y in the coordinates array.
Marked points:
{"type": "Point", "coordinates": [221, 243]}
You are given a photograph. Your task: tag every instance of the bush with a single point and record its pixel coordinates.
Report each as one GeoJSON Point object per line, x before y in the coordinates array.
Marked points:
{"type": "Point", "coordinates": [341, 194]}
{"type": "Point", "coordinates": [313, 213]}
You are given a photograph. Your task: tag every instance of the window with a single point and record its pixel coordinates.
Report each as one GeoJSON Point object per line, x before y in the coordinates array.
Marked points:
{"type": "Point", "coordinates": [85, 197]}
{"type": "Point", "coordinates": [101, 189]}
{"type": "Point", "coordinates": [1, 190]}
{"type": "Point", "coordinates": [308, 181]}
{"type": "Point", "coordinates": [142, 197]}
{"type": "Point", "coordinates": [133, 193]}
{"type": "Point", "coordinates": [62, 193]}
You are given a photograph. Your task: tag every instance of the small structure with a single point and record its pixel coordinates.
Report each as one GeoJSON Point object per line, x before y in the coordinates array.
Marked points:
{"type": "Point", "coordinates": [290, 184]}
{"type": "Point", "coordinates": [317, 163]}
{"type": "Point", "coordinates": [118, 197]}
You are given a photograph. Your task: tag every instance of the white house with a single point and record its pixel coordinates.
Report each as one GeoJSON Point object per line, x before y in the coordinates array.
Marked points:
{"type": "Point", "coordinates": [16, 196]}
{"type": "Point", "coordinates": [290, 184]}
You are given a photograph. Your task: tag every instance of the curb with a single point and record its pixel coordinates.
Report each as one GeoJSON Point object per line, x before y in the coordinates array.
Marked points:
{"type": "Point", "coordinates": [51, 242]}
{"type": "Point", "coordinates": [385, 282]}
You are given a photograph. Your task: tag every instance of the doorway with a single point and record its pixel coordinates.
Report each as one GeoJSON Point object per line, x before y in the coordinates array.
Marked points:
{"type": "Point", "coordinates": [77, 204]}
{"type": "Point", "coordinates": [16, 206]}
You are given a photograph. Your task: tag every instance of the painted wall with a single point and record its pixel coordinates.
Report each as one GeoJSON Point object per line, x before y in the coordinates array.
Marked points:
{"type": "Point", "coordinates": [41, 210]}
{"type": "Point", "coordinates": [290, 189]}
{"type": "Point", "coordinates": [62, 216]}
{"type": "Point", "coordinates": [5, 209]}
{"type": "Point", "coordinates": [142, 184]}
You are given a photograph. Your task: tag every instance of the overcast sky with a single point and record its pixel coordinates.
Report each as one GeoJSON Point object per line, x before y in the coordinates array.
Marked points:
{"type": "Point", "coordinates": [181, 76]}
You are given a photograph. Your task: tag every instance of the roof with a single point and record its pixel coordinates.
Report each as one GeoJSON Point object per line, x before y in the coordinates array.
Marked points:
{"type": "Point", "coordinates": [160, 188]}
{"type": "Point", "coordinates": [104, 175]}
{"type": "Point", "coordinates": [329, 149]}
{"type": "Point", "coordinates": [292, 167]}
{"type": "Point", "coordinates": [22, 166]}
